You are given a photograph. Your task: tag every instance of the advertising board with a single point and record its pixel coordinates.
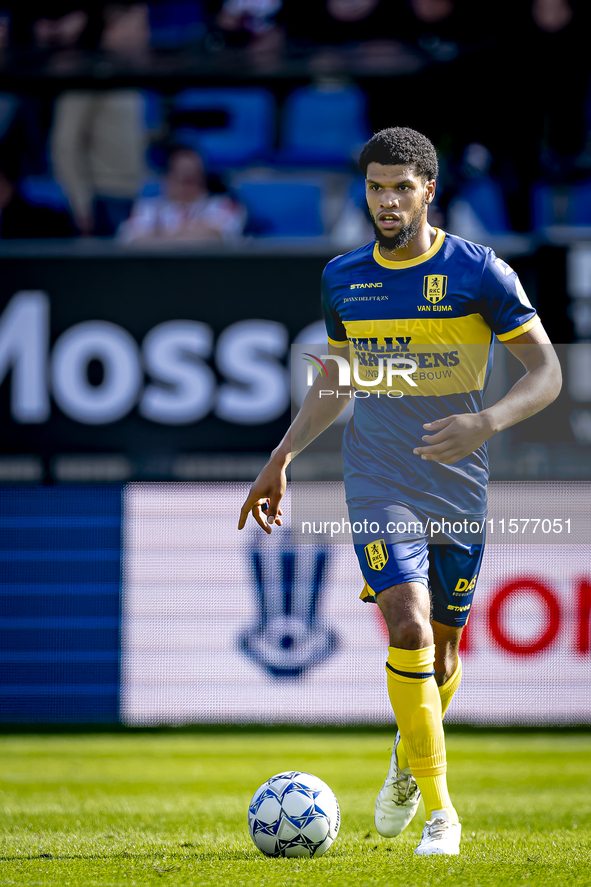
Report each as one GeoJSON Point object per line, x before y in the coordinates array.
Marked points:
{"type": "Point", "coordinates": [159, 367]}
{"type": "Point", "coordinates": [128, 363]}
{"type": "Point", "coordinates": [221, 626]}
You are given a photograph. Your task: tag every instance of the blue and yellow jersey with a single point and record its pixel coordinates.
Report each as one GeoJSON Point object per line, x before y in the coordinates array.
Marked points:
{"type": "Point", "coordinates": [443, 311]}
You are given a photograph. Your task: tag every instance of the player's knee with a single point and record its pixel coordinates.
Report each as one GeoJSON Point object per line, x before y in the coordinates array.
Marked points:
{"type": "Point", "coordinates": [410, 634]}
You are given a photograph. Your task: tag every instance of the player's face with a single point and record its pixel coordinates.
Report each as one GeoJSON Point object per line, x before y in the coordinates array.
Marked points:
{"type": "Point", "coordinates": [397, 198]}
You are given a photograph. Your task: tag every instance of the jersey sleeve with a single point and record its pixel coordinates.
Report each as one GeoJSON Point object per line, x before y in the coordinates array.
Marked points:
{"type": "Point", "coordinates": [505, 305]}
{"type": "Point", "coordinates": [336, 332]}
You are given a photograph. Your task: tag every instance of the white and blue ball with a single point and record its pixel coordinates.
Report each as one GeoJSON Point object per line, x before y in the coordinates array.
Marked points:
{"type": "Point", "coordinates": [294, 814]}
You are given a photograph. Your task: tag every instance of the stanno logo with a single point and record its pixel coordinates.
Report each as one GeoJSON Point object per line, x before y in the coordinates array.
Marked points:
{"type": "Point", "coordinates": [434, 287]}
{"type": "Point", "coordinates": [359, 286]}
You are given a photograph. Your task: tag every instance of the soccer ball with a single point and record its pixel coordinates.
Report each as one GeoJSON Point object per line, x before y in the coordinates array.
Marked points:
{"type": "Point", "coordinates": [293, 814]}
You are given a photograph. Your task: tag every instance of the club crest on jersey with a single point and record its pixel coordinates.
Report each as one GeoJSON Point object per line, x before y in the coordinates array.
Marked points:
{"type": "Point", "coordinates": [434, 287]}
{"type": "Point", "coordinates": [377, 554]}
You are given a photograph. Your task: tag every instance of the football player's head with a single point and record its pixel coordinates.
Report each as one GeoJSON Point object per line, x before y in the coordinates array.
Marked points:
{"type": "Point", "coordinates": [401, 146]}
{"type": "Point", "coordinates": [400, 167]}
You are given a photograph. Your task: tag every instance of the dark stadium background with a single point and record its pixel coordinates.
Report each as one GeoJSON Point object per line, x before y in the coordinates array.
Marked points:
{"type": "Point", "coordinates": [277, 98]}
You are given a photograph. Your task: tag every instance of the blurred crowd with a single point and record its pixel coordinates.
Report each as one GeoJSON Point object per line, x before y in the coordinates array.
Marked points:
{"type": "Point", "coordinates": [440, 27]}
{"type": "Point", "coordinates": [502, 89]}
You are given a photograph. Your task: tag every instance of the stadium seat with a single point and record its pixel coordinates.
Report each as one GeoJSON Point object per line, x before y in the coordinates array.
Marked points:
{"type": "Point", "coordinates": [231, 127]}
{"type": "Point", "coordinates": [487, 200]}
{"type": "Point", "coordinates": [561, 204]}
{"type": "Point", "coordinates": [8, 109]}
{"type": "Point", "coordinates": [357, 193]}
{"type": "Point", "coordinates": [153, 110]}
{"type": "Point", "coordinates": [44, 191]}
{"type": "Point", "coordinates": [150, 188]}
{"type": "Point", "coordinates": [580, 202]}
{"type": "Point", "coordinates": [323, 125]}
{"type": "Point", "coordinates": [282, 208]}
{"type": "Point", "coordinates": [549, 205]}
{"type": "Point", "coordinates": [176, 23]}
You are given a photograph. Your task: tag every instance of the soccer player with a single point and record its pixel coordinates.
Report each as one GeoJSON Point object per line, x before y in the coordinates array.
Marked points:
{"type": "Point", "coordinates": [417, 311]}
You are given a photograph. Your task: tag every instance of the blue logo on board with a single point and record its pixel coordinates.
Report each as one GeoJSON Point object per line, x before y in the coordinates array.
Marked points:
{"type": "Point", "coordinates": [290, 636]}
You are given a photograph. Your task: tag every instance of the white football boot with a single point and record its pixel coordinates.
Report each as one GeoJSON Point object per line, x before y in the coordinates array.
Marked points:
{"type": "Point", "coordinates": [398, 800]}
{"type": "Point", "coordinates": [440, 836]}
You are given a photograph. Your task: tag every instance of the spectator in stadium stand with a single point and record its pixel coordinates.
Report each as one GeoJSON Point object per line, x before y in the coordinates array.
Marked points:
{"type": "Point", "coordinates": [446, 29]}
{"type": "Point", "coordinates": [4, 30]}
{"type": "Point", "coordinates": [557, 31]}
{"type": "Point", "coordinates": [251, 24]}
{"type": "Point", "coordinates": [378, 31]}
{"type": "Point", "coordinates": [98, 137]}
{"type": "Point", "coordinates": [344, 22]}
{"type": "Point", "coordinates": [20, 219]}
{"type": "Point", "coordinates": [53, 26]}
{"type": "Point", "coordinates": [542, 104]}
{"type": "Point", "coordinates": [551, 15]}
{"type": "Point", "coordinates": [187, 210]}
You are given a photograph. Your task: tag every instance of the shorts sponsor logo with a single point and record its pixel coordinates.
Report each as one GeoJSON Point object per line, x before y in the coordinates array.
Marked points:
{"type": "Point", "coordinates": [434, 287]}
{"type": "Point", "coordinates": [377, 554]}
{"type": "Point", "coordinates": [464, 586]}
{"type": "Point", "coordinates": [459, 609]}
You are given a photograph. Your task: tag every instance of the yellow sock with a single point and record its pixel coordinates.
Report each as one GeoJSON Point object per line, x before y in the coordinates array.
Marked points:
{"type": "Point", "coordinates": [446, 692]}
{"type": "Point", "coordinates": [417, 707]}
{"type": "Point", "coordinates": [436, 796]}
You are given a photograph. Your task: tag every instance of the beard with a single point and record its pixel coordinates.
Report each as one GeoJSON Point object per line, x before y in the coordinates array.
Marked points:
{"type": "Point", "coordinates": [406, 233]}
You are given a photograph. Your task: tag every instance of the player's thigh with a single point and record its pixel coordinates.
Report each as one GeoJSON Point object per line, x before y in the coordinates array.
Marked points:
{"type": "Point", "coordinates": [397, 579]}
{"type": "Point", "coordinates": [406, 611]}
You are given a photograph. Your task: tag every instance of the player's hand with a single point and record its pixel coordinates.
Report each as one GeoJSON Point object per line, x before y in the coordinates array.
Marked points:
{"type": "Point", "coordinates": [454, 437]}
{"type": "Point", "coordinates": [264, 498]}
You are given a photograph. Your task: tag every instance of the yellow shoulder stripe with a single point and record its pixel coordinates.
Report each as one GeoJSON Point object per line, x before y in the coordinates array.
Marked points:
{"type": "Point", "coordinates": [338, 344]}
{"type": "Point", "coordinates": [518, 331]}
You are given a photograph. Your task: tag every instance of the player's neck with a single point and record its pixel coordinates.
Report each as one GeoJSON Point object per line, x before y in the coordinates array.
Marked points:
{"type": "Point", "coordinates": [420, 244]}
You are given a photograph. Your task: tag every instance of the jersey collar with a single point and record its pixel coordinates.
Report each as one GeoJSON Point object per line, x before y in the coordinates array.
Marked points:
{"type": "Point", "coordinates": [410, 263]}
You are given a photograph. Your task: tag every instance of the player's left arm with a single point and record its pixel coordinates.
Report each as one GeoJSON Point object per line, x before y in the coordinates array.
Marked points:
{"type": "Point", "coordinates": [457, 436]}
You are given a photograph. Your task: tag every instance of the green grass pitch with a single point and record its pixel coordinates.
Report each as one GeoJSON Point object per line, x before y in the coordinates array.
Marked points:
{"type": "Point", "coordinates": [170, 808]}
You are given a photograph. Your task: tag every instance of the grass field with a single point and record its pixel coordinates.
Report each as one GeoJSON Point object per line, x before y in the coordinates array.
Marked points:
{"type": "Point", "coordinates": [170, 808]}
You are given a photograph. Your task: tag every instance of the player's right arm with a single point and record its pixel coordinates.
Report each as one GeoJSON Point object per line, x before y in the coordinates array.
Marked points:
{"type": "Point", "coordinates": [316, 415]}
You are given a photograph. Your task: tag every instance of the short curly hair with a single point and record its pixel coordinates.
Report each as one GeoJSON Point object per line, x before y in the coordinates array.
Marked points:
{"type": "Point", "coordinates": [401, 145]}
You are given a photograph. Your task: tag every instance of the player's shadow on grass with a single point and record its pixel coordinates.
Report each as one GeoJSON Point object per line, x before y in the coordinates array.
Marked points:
{"type": "Point", "coordinates": [227, 855]}
{"type": "Point", "coordinates": [50, 857]}
{"type": "Point", "coordinates": [220, 854]}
